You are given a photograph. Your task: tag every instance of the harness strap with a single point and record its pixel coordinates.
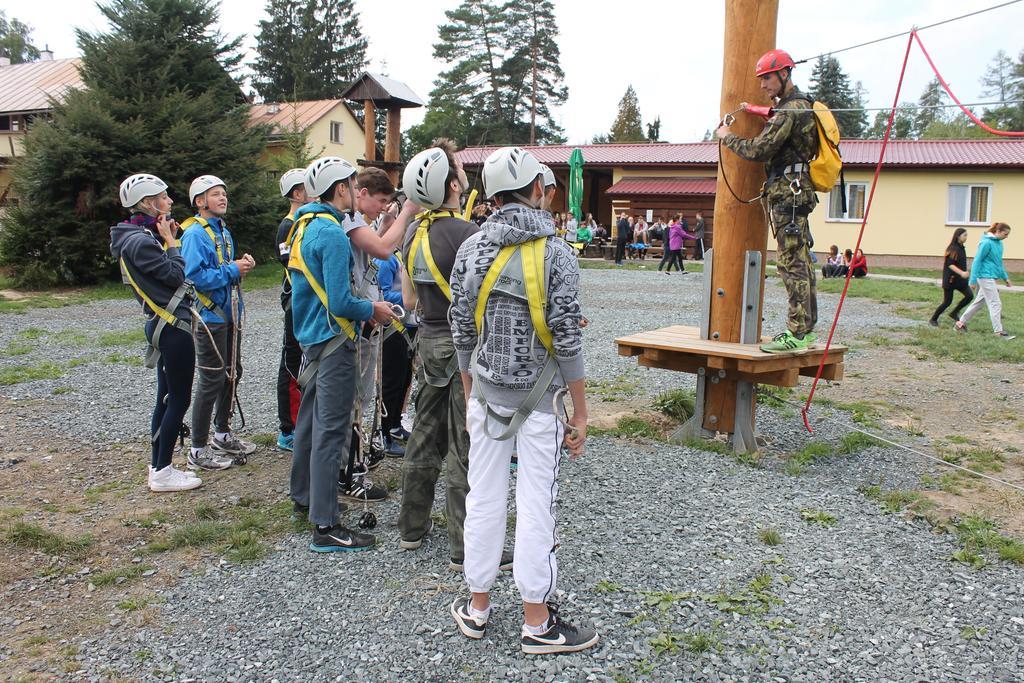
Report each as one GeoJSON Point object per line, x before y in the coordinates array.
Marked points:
{"type": "Point", "coordinates": [165, 315]}
{"type": "Point", "coordinates": [204, 298]}
{"type": "Point", "coordinates": [311, 366]}
{"type": "Point", "coordinates": [422, 241]}
{"type": "Point", "coordinates": [296, 262]}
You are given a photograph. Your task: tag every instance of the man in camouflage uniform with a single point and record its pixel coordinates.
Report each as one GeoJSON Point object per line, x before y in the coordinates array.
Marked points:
{"type": "Point", "coordinates": [786, 145]}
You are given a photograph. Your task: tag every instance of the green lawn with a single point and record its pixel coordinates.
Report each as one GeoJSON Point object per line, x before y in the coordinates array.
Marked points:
{"type": "Point", "coordinates": [919, 301]}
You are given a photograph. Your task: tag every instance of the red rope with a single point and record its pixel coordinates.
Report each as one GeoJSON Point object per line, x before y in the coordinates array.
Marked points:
{"type": "Point", "coordinates": [967, 112]}
{"type": "Point", "coordinates": [860, 236]}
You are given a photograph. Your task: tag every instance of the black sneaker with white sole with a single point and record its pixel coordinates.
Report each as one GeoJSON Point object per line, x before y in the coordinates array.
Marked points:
{"type": "Point", "coordinates": [471, 627]}
{"type": "Point", "coordinates": [505, 564]}
{"type": "Point", "coordinates": [340, 539]}
{"type": "Point", "coordinates": [561, 636]}
{"type": "Point", "coordinates": [362, 489]}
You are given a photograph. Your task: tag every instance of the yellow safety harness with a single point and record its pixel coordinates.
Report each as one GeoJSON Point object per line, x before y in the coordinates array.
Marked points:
{"type": "Point", "coordinates": [534, 283]}
{"type": "Point", "coordinates": [203, 297]}
{"type": "Point", "coordinates": [420, 247]}
{"type": "Point", "coordinates": [288, 242]}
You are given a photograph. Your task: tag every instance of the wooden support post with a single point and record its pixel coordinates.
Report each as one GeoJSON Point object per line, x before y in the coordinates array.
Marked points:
{"type": "Point", "coordinates": [370, 130]}
{"type": "Point", "coordinates": [393, 141]}
{"type": "Point", "coordinates": [749, 32]}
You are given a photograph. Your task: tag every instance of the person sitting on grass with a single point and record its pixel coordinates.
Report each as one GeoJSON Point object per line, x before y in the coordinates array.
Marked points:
{"type": "Point", "coordinates": [859, 264]}
{"type": "Point", "coordinates": [833, 264]}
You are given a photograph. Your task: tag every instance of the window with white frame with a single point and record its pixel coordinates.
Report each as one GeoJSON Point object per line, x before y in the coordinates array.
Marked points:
{"type": "Point", "coordinates": [856, 195]}
{"type": "Point", "coordinates": [968, 204]}
{"type": "Point", "coordinates": [337, 132]}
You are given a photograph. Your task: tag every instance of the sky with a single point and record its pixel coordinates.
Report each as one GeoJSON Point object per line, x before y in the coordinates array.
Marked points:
{"type": "Point", "coordinates": [670, 51]}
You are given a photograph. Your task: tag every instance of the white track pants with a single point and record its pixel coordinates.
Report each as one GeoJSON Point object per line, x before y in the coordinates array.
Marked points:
{"type": "Point", "coordinates": [987, 294]}
{"type": "Point", "coordinates": [538, 446]}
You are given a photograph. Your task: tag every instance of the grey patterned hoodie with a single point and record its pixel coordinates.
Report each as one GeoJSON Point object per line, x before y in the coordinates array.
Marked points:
{"type": "Point", "coordinates": [511, 357]}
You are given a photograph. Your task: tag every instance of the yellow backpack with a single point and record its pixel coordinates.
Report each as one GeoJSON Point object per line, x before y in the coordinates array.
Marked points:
{"type": "Point", "coordinates": [827, 167]}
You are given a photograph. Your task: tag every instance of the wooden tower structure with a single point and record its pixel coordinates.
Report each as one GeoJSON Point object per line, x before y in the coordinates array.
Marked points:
{"type": "Point", "coordinates": [376, 92]}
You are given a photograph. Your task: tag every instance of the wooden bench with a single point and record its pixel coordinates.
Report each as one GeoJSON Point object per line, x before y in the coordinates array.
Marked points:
{"type": "Point", "coordinates": [680, 348]}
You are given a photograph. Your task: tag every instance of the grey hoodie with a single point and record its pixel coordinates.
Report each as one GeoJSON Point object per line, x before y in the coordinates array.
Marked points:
{"type": "Point", "coordinates": [507, 367]}
{"type": "Point", "coordinates": [159, 273]}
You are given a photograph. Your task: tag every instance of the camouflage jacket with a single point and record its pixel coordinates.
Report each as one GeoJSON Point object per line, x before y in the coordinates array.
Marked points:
{"type": "Point", "coordinates": [786, 139]}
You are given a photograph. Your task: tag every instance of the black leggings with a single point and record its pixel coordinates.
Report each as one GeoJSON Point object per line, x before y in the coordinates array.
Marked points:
{"type": "Point", "coordinates": [947, 299]}
{"type": "Point", "coordinates": [173, 390]}
{"type": "Point", "coordinates": [288, 396]}
{"type": "Point", "coordinates": [396, 361]}
{"type": "Point", "coordinates": [676, 258]}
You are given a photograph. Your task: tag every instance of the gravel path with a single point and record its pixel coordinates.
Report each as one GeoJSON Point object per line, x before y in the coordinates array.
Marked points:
{"type": "Point", "coordinates": [661, 547]}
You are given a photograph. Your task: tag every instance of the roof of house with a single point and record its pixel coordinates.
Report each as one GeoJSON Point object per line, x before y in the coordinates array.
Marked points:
{"type": "Point", "coordinates": [384, 91]}
{"type": "Point", "coordinates": [662, 186]}
{"type": "Point", "coordinates": [281, 116]}
{"type": "Point", "coordinates": [907, 153]}
{"type": "Point", "coordinates": [28, 87]}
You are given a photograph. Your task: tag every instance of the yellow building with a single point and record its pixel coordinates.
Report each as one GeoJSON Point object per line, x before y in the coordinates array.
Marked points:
{"type": "Point", "coordinates": [927, 189]}
{"type": "Point", "coordinates": [331, 129]}
{"type": "Point", "coordinates": [25, 92]}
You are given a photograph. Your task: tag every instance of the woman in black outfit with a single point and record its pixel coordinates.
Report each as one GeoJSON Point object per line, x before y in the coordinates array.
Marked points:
{"type": "Point", "coordinates": [146, 248]}
{"type": "Point", "coordinates": [954, 278]}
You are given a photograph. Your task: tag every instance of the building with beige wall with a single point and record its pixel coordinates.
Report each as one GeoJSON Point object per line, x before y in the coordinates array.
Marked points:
{"type": "Point", "coordinates": [926, 190]}
{"type": "Point", "coordinates": [331, 130]}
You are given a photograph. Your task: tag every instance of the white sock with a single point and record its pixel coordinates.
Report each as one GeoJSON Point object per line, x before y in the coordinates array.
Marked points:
{"type": "Point", "coordinates": [479, 613]}
{"type": "Point", "coordinates": [197, 451]}
{"type": "Point", "coordinates": [537, 630]}
{"type": "Point", "coordinates": [221, 436]}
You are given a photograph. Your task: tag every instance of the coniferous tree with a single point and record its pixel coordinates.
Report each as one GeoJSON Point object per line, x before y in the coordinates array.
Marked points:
{"type": "Point", "coordinates": [831, 86]}
{"type": "Point", "coordinates": [1008, 80]}
{"type": "Point", "coordinates": [902, 125]}
{"type": "Point", "coordinates": [928, 112]}
{"type": "Point", "coordinates": [486, 95]}
{"type": "Point", "coordinates": [159, 98]}
{"type": "Point", "coordinates": [999, 77]}
{"type": "Point", "coordinates": [628, 125]}
{"type": "Point", "coordinates": [654, 130]}
{"type": "Point", "coordinates": [308, 50]}
{"type": "Point", "coordinates": [16, 40]}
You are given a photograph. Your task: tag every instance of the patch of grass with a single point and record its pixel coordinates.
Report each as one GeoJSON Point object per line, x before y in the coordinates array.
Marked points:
{"type": "Point", "coordinates": [620, 388]}
{"type": "Point", "coordinates": [239, 532]}
{"type": "Point", "coordinates": [205, 512]}
{"type": "Point", "coordinates": [266, 439]}
{"type": "Point", "coordinates": [111, 576]}
{"type": "Point", "coordinates": [605, 586]}
{"type": "Point", "coordinates": [35, 537]}
{"type": "Point", "coordinates": [812, 451]}
{"type": "Point", "coordinates": [245, 546]}
{"type": "Point", "coordinates": [770, 536]}
{"type": "Point", "coordinates": [32, 333]}
{"type": "Point", "coordinates": [37, 639]}
{"type": "Point", "coordinates": [665, 644]}
{"type": "Point", "coordinates": [62, 390]}
{"type": "Point", "coordinates": [973, 632]}
{"type": "Point", "coordinates": [978, 535]}
{"type": "Point", "coordinates": [440, 518]}
{"type": "Point", "coordinates": [774, 397]}
{"type": "Point", "coordinates": [709, 445]}
{"type": "Point", "coordinates": [754, 598]}
{"type": "Point", "coordinates": [11, 513]}
{"type": "Point", "coordinates": [136, 336]}
{"type": "Point", "coordinates": [94, 494]}
{"type": "Point", "coordinates": [820, 517]}
{"type": "Point", "coordinates": [678, 404]}
{"type": "Point", "coordinates": [58, 298]}
{"type": "Point", "coordinates": [968, 557]}
{"type": "Point", "coordinates": [18, 348]}
{"type": "Point", "coordinates": [664, 600]}
{"type": "Point", "coordinates": [854, 442]}
{"type": "Point", "coordinates": [16, 374]}
{"type": "Point", "coordinates": [125, 359]}
{"type": "Point", "coordinates": [897, 500]}
{"type": "Point", "coordinates": [632, 427]}
{"type": "Point", "coordinates": [134, 603]}
{"type": "Point", "coordinates": [700, 642]}
{"type": "Point", "coordinates": [70, 337]}
{"type": "Point", "coordinates": [264, 276]}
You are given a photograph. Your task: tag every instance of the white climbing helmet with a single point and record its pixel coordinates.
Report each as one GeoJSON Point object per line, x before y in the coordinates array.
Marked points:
{"type": "Point", "coordinates": [137, 187]}
{"type": "Point", "coordinates": [424, 178]}
{"type": "Point", "coordinates": [202, 184]}
{"type": "Point", "coordinates": [508, 169]}
{"type": "Point", "coordinates": [549, 176]}
{"type": "Point", "coordinates": [290, 179]}
{"type": "Point", "coordinates": [324, 172]}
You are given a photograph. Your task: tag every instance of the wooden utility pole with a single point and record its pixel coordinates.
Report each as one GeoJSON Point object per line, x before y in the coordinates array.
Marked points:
{"type": "Point", "coordinates": [369, 130]}
{"type": "Point", "coordinates": [393, 141]}
{"type": "Point", "coordinates": [739, 228]}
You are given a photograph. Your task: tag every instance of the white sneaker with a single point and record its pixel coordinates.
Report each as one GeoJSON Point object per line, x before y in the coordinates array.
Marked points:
{"type": "Point", "coordinates": [170, 479]}
{"type": "Point", "coordinates": [206, 459]}
{"type": "Point", "coordinates": [186, 473]}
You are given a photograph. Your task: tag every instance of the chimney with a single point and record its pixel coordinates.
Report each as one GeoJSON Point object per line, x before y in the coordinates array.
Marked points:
{"type": "Point", "coordinates": [273, 108]}
{"type": "Point", "coordinates": [46, 54]}
{"type": "Point", "coordinates": [5, 61]}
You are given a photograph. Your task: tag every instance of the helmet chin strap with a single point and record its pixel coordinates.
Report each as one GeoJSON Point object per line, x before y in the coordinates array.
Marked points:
{"type": "Point", "coordinates": [352, 201]}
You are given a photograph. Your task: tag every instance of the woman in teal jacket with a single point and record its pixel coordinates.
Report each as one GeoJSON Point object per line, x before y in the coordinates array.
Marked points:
{"type": "Point", "coordinates": [985, 270]}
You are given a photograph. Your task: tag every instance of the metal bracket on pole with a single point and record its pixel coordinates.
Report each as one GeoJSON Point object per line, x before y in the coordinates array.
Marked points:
{"type": "Point", "coordinates": [745, 438]}
{"type": "Point", "coordinates": [705, 304]}
{"type": "Point", "coordinates": [694, 427]}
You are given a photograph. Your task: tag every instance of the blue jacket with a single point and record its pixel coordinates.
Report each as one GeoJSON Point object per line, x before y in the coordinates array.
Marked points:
{"type": "Point", "coordinates": [387, 270]}
{"type": "Point", "coordinates": [202, 268]}
{"type": "Point", "coordinates": [988, 262]}
{"type": "Point", "coordinates": [328, 255]}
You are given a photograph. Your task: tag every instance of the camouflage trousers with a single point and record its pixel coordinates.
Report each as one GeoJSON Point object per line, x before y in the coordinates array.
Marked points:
{"type": "Point", "coordinates": [794, 266]}
{"type": "Point", "coordinates": [439, 430]}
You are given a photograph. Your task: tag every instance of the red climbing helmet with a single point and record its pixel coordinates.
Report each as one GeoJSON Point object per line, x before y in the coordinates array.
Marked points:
{"type": "Point", "coordinates": [773, 60]}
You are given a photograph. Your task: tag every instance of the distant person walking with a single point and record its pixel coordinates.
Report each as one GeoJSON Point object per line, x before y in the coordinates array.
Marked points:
{"type": "Point", "coordinates": [954, 278]}
{"type": "Point", "coordinates": [985, 270]}
{"type": "Point", "coordinates": [698, 234]}
{"type": "Point", "coordinates": [621, 238]}
{"type": "Point", "coordinates": [675, 245]}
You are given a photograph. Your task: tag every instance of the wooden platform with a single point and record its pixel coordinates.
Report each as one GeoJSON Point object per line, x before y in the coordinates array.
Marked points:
{"type": "Point", "coordinates": [680, 348]}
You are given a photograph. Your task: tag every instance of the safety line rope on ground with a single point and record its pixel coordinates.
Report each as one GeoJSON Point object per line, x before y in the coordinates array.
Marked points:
{"type": "Point", "coordinates": [903, 33]}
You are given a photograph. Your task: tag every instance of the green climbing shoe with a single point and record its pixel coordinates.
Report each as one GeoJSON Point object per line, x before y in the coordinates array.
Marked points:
{"type": "Point", "coordinates": [810, 339]}
{"type": "Point", "coordinates": [784, 343]}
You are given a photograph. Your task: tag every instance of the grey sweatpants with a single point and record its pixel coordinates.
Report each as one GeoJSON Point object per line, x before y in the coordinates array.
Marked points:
{"type": "Point", "coordinates": [322, 433]}
{"type": "Point", "coordinates": [213, 390]}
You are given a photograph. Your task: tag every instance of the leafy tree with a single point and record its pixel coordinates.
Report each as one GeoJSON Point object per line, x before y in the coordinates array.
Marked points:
{"type": "Point", "coordinates": [628, 125]}
{"type": "Point", "coordinates": [902, 125]}
{"type": "Point", "coordinates": [934, 96]}
{"type": "Point", "coordinates": [159, 98]}
{"type": "Point", "coordinates": [831, 86]}
{"type": "Point", "coordinates": [487, 94]}
{"type": "Point", "coordinates": [16, 41]}
{"type": "Point", "coordinates": [308, 50]}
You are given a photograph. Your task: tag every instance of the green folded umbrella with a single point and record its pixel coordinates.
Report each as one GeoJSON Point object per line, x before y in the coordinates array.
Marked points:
{"type": "Point", "coordinates": [576, 183]}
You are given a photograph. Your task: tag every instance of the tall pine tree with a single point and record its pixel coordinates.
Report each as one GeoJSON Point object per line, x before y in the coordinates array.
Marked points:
{"type": "Point", "coordinates": [928, 113]}
{"type": "Point", "coordinates": [16, 40]}
{"type": "Point", "coordinates": [830, 85]}
{"type": "Point", "coordinates": [308, 50]}
{"type": "Point", "coordinates": [628, 125]}
{"type": "Point", "coordinates": [486, 96]}
{"type": "Point", "coordinates": [159, 98]}
{"type": "Point", "coordinates": [1004, 80]}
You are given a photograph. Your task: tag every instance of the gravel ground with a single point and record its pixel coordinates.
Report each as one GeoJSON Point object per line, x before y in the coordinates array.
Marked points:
{"type": "Point", "coordinates": [660, 547]}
